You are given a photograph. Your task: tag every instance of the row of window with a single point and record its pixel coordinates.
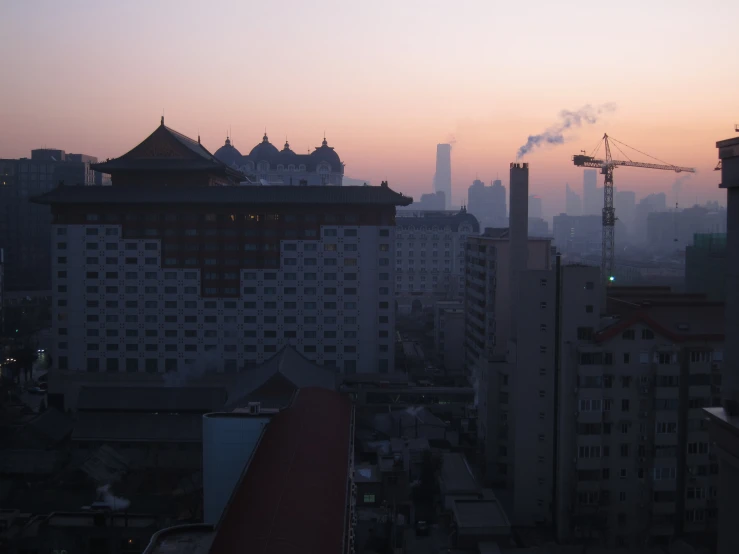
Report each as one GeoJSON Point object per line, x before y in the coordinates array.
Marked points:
{"type": "Point", "coordinates": [224, 218]}
{"type": "Point", "coordinates": [306, 348]}
{"type": "Point", "coordinates": [249, 319]}
{"type": "Point", "coordinates": [193, 333]}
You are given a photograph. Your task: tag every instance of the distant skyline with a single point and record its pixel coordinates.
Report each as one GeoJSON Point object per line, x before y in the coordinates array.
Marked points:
{"type": "Point", "coordinates": [387, 81]}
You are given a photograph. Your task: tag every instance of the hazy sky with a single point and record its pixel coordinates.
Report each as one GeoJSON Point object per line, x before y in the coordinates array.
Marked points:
{"type": "Point", "coordinates": [386, 80]}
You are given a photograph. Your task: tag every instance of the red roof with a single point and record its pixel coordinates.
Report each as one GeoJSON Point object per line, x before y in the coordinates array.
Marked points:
{"type": "Point", "coordinates": [294, 493]}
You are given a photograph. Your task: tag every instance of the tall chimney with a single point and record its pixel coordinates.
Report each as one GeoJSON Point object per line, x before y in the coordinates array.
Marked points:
{"type": "Point", "coordinates": [519, 232]}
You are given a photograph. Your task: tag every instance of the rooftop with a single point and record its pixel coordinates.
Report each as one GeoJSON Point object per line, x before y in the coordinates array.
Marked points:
{"type": "Point", "coordinates": [138, 427]}
{"type": "Point", "coordinates": [227, 195]}
{"type": "Point", "coordinates": [484, 516]}
{"type": "Point", "coordinates": [303, 454]}
{"type": "Point", "coordinates": [151, 399]}
{"type": "Point", "coordinates": [456, 475]}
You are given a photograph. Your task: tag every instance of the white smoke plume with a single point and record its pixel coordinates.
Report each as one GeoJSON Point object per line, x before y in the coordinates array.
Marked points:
{"type": "Point", "coordinates": [115, 503]}
{"type": "Point", "coordinates": [568, 120]}
{"type": "Point", "coordinates": [451, 141]}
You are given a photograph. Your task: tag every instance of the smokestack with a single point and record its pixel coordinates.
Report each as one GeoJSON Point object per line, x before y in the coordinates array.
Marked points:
{"type": "Point", "coordinates": [443, 177]}
{"type": "Point", "coordinates": [519, 232]}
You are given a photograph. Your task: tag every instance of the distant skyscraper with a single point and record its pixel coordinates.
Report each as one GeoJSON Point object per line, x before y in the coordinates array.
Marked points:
{"type": "Point", "coordinates": [573, 201]}
{"type": "Point", "coordinates": [592, 196]}
{"type": "Point", "coordinates": [487, 204]}
{"type": "Point", "coordinates": [443, 177]}
{"type": "Point", "coordinates": [535, 207]}
{"type": "Point", "coordinates": [624, 201]}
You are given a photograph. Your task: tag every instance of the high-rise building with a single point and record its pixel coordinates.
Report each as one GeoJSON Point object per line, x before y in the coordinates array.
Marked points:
{"type": "Point", "coordinates": [535, 206]}
{"type": "Point", "coordinates": [675, 229]}
{"type": "Point", "coordinates": [2, 292]}
{"type": "Point", "coordinates": [592, 195]}
{"type": "Point", "coordinates": [573, 202]}
{"type": "Point", "coordinates": [705, 266]}
{"type": "Point", "coordinates": [25, 227]}
{"type": "Point", "coordinates": [487, 204]}
{"type": "Point", "coordinates": [267, 165]}
{"type": "Point", "coordinates": [724, 421]}
{"type": "Point", "coordinates": [577, 234]}
{"type": "Point", "coordinates": [164, 272]}
{"type": "Point", "coordinates": [624, 202]}
{"type": "Point", "coordinates": [443, 175]}
{"type": "Point", "coordinates": [635, 465]}
{"type": "Point", "coordinates": [656, 202]}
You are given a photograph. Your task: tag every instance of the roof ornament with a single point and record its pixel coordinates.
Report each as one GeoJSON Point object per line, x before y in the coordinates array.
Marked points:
{"type": "Point", "coordinates": [324, 143]}
{"type": "Point", "coordinates": [264, 138]}
{"type": "Point", "coordinates": [287, 144]}
{"type": "Point", "coordinates": [162, 120]}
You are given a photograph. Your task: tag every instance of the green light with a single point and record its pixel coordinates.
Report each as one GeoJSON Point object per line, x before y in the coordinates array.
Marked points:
{"type": "Point", "coordinates": [611, 278]}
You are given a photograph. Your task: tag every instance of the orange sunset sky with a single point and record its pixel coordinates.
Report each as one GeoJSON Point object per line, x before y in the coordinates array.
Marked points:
{"type": "Point", "coordinates": [386, 80]}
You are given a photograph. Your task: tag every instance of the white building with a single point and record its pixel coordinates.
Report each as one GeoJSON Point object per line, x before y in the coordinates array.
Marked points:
{"type": "Point", "coordinates": [153, 278]}
{"type": "Point", "coordinates": [429, 256]}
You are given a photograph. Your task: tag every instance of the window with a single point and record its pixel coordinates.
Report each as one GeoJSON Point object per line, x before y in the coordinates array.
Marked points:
{"type": "Point", "coordinates": [622, 473]}
{"type": "Point", "coordinates": [625, 405]}
{"type": "Point", "coordinates": [647, 334]}
{"type": "Point", "coordinates": [543, 305]}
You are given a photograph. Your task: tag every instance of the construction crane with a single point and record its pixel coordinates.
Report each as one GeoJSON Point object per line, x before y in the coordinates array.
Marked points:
{"type": "Point", "coordinates": [606, 167]}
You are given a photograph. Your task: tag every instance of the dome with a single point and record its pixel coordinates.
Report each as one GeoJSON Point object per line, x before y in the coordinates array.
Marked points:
{"type": "Point", "coordinates": [287, 156]}
{"type": "Point", "coordinates": [228, 154]}
{"type": "Point", "coordinates": [264, 151]}
{"type": "Point", "coordinates": [326, 153]}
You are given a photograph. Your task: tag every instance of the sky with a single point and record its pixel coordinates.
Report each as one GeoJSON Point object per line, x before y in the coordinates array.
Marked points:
{"type": "Point", "coordinates": [386, 81]}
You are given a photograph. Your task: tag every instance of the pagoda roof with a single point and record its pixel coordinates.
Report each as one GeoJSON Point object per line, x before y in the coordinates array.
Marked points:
{"type": "Point", "coordinates": [238, 194]}
{"type": "Point", "coordinates": [166, 150]}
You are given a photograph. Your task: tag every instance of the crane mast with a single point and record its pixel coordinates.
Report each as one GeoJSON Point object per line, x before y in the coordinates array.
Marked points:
{"type": "Point", "coordinates": [606, 166]}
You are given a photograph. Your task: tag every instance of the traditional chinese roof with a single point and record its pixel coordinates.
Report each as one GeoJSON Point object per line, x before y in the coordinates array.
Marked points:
{"type": "Point", "coordinates": [243, 194]}
{"type": "Point", "coordinates": [167, 150]}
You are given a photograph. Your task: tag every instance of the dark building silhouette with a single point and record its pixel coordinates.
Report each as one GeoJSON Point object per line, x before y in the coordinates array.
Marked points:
{"type": "Point", "coordinates": [573, 202]}
{"type": "Point", "coordinates": [443, 176]}
{"type": "Point", "coordinates": [487, 204]}
{"type": "Point", "coordinates": [705, 266]}
{"type": "Point", "coordinates": [24, 227]}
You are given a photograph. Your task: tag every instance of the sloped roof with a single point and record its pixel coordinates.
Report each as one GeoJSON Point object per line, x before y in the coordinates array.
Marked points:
{"type": "Point", "coordinates": [292, 497]}
{"type": "Point", "coordinates": [241, 194]}
{"type": "Point", "coordinates": [151, 399]}
{"type": "Point", "coordinates": [290, 366]}
{"type": "Point", "coordinates": [138, 427]}
{"type": "Point", "coordinates": [50, 427]}
{"type": "Point", "coordinates": [165, 149]}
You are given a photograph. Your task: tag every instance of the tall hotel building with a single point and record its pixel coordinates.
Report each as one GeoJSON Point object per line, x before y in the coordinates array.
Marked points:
{"type": "Point", "coordinates": [178, 265]}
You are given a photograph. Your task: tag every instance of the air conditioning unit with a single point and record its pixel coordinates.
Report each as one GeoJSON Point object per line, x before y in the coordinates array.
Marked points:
{"type": "Point", "coordinates": [255, 408]}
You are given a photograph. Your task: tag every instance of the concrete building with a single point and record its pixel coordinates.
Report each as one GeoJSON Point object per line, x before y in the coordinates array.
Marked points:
{"type": "Point", "coordinates": [724, 421]}
{"type": "Point", "coordinates": [573, 201]}
{"type": "Point", "coordinates": [634, 462]}
{"type": "Point", "coordinates": [429, 256]}
{"type": "Point", "coordinates": [577, 234]}
{"type": "Point", "coordinates": [449, 334]}
{"type": "Point", "coordinates": [592, 194]}
{"type": "Point", "coordinates": [674, 230]}
{"type": "Point", "coordinates": [536, 209]}
{"type": "Point", "coordinates": [221, 276]}
{"type": "Point", "coordinates": [705, 266]}
{"type": "Point", "coordinates": [655, 202]}
{"type": "Point", "coordinates": [624, 202]}
{"type": "Point", "coordinates": [538, 227]}
{"type": "Point", "coordinates": [2, 292]}
{"type": "Point", "coordinates": [24, 227]}
{"type": "Point", "coordinates": [267, 165]}
{"type": "Point", "coordinates": [488, 204]}
{"type": "Point", "coordinates": [443, 175]}
{"type": "Point", "coordinates": [434, 202]}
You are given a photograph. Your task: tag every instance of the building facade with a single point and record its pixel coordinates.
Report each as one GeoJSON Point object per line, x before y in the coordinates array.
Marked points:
{"type": "Point", "coordinates": [449, 334]}
{"type": "Point", "coordinates": [488, 204]}
{"type": "Point", "coordinates": [573, 201]}
{"type": "Point", "coordinates": [577, 234]}
{"type": "Point", "coordinates": [267, 165]}
{"type": "Point", "coordinates": [705, 266]}
{"type": "Point", "coordinates": [25, 227]}
{"type": "Point", "coordinates": [635, 465]}
{"type": "Point", "coordinates": [429, 255]}
{"type": "Point", "coordinates": [187, 276]}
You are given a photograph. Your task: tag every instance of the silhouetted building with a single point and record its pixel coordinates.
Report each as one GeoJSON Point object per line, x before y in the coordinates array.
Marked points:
{"type": "Point", "coordinates": [724, 421]}
{"type": "Point", "coordinates": [573, 201]}
{"type": "Point", "coordinates": [487, 204]}
{"type": "Point", "coordinates": [443, 175]}
{"type": "Point", "coordinates": [182, 272]}
{"type": "Point", "coordinates": [2, 292]}
{"type": "Point", "coordinates": [577, 234]}
{"type": "Point", "coordinates": [538, 227]}
{"type": "Point", "coordinates": [705, 266]}
{"type": "Point", "coordinates": [267, 165]}
{"type": "Point", "coordinates": [592, 194]}
{"type": "Point", "coordinates": [674, 230]}
{"type": "Point", "coordinates": [535, 206]}
{"type": "Point", "coordinates": [656, 202]}
{"type": "Point", "coordinates": [624, 202]}
{"type": "Point", "coordinates": [449, 334]}
{"type": "Point", "coordinates": [433, 202]}
{"type": "Point", "coordinates": [25, 228]}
